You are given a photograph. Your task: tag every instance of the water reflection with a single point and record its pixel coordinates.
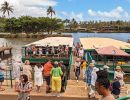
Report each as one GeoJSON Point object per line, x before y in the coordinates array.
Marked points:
{"type": "Point", "coordinates": [16, 44]}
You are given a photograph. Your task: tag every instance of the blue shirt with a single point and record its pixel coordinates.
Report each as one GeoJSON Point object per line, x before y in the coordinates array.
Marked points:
{"type": "Point", "coordinates": [116, 88]}
{"type": "Point", "coordinates": [88, 73]}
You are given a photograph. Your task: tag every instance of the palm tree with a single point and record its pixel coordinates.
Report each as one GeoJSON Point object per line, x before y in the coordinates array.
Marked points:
{"type": "Point", "coordinates": [5, 7]}
{"type": "Point", "coordinates": [50, 11]}
{"type": "Point", "coordinates": [66, 21]}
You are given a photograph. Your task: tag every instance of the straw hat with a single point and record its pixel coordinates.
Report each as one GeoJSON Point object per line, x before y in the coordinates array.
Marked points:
{"type": "Point", "coordinates": [105, 67]}
{"type": "Point", "coordinates": [56, 62]}
{"type": "Point", "coordinates": [27, 62]}
{"type": "Point", "coordinates": [61, 62]}
{"type": "Point", "coordinates": [91, 64]}
{"type": "Point", "coordinates": [118, 67]}
{"type": "Point", "coordinates": [96, 69]}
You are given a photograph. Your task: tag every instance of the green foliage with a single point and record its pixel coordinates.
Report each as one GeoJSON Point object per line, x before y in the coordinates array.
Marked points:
{"type": "Point", "coordinates": [29, 24]}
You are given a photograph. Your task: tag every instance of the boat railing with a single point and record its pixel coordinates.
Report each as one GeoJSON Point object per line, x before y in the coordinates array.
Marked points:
{"type": "Point", "coordinates": [124, 98]}
{"type": "Point", "coordinates": [88, 57]}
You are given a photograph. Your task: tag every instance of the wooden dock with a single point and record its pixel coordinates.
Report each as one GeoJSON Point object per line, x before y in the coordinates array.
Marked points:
{"type": "Point", "coordinates": [3, 49]}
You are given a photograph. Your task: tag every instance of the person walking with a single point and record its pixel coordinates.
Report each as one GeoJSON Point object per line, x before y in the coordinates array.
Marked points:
{"type": "Point", "coordinates": [38, 77]}
{"type": "Point", "coordinates": [46, 73]}
{"type": "Point", "coordinates": [83, 67]}
{"type": "Point", "coordinates": [119, 73]}
{"type": "Point", "coordinates": [93, 81]}
{"type": "Point", "coordinates": [56, 74]}
{"type": "Point", "coordinates": [81, 52]}
{"type": "Point", "coordinates": [16, 72]}
{"type": "Point", "coordinates": [88, 74]}
{"type": "Point", "coordinates": [63, 68]}
{"type": "Point", "coordinates": [27, 69]}
{"type": "Point", "coordinates": [24, 88]}
{"type": "Point", "coordinates": [77, 68]}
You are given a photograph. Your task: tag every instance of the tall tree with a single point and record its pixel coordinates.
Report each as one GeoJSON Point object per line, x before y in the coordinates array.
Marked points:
{"type": "Point", "coordinates": [50, 11]}
{"type": "Point", "coordinates": [6, 8]}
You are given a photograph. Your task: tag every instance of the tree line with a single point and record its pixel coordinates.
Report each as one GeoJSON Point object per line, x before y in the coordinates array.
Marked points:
{"type": "Point", "coordinates": [28, 24]}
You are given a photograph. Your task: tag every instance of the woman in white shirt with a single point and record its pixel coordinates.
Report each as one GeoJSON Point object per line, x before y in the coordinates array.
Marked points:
{"type": "Point", "coordinates": [119, 73]}
{"type": "Point", "coordinates": [38, 78]}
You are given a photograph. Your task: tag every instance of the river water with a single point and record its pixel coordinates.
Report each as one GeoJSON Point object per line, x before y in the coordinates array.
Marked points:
{"type": "Point", "coordinates": [18, 43]}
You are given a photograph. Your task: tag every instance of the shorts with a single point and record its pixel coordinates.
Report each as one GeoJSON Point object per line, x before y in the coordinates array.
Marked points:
{"type": "Point", "coordinates": [2, 79]}
{"type": "Point", "coordinates": [47, 78]}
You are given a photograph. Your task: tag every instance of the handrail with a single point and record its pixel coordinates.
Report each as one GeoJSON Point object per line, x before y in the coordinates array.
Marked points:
{"type": "Point", "coordinates": [70, 63]}
{"type": "Point", "coordinates": [88, 57]}
{"type": "Point", "coordinates": [124, 98]}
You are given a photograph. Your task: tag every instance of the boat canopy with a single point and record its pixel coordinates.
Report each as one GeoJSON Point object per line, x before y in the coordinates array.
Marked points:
{"type": "Point", "coordinates": [95, 43]}
{"type": "Point", "coordinates": [53, 41]}
{"type": "Point", "coordinates": [112, 51]}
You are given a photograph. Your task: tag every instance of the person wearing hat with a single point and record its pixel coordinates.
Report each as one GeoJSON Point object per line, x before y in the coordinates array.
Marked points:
{"type": "Point", "coordinates": [119, 73]}
{"type": "Point", "coordinates": [88, 74]}
{"type": "Point", "coordinates": [56, 74]}
{"type": "Point", "coordinates": [105, 67]}
{"type": "Point", "coordinates": [93, 81]}
{"type": "Point", "coordinates": [27, 69]}
{"type": "Point", "coordinates": [63, 68]}
{"type": "Point", "coordinates": [77, 68]}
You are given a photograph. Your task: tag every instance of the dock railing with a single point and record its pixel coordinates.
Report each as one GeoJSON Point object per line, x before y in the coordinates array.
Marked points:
{"type": "Point", "coordinates": [124, 98]}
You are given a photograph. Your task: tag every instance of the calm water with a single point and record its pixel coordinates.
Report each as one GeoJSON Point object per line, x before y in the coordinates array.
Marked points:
{"type": "Point", "coordinates": [18, 43]}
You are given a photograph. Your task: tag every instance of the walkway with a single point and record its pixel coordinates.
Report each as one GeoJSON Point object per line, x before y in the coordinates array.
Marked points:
{"type": "Point", "coordinates": [74, 91]}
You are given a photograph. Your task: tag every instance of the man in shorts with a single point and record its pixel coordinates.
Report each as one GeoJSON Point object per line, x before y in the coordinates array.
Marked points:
{"type": "Point", "coordinates": [46, 73]}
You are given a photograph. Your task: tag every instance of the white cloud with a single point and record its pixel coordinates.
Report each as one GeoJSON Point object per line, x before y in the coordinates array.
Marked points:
{"type": "Point", "coordinates": [117, 13]}
{"type": "Point", "coordinates": [78, 16]}
{"type": "Point", "coordinates": [35, 8]}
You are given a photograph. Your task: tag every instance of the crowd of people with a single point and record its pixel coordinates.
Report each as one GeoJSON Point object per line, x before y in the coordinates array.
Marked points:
{"type": "Point", "coordinates": [53, 73]}
{"type": "Point", "coordinates": [61, 51]}
{"type": "Point", "coordinates": [96, 79]}
{"type": "Point", "coordinates": [93, 75]}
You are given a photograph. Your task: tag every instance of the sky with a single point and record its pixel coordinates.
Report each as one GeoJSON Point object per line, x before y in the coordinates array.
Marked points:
{"type": "Point", "coordinates": [81, 10]}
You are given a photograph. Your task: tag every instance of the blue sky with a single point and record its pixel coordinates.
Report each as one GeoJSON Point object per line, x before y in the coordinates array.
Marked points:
{"type": "Point", "coordinates": [78, 9]}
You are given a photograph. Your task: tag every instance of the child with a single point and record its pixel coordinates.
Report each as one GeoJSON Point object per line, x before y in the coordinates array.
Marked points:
{"type": "Point", "coordinates": [116, 87]}
{"type": "Point", "coordinates": [24, 88]}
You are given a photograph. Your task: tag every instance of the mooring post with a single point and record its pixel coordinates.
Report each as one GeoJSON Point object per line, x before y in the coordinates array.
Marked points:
{"type": "Point", "coordinates": [10, 51]}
